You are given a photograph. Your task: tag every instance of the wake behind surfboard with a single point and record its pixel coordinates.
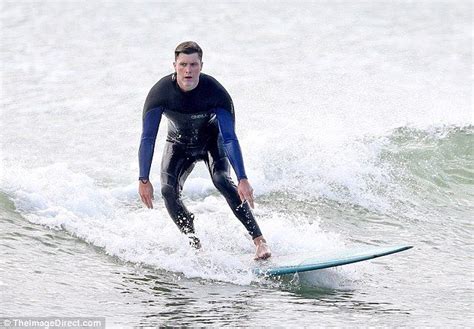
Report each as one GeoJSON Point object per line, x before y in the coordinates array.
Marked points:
{"type": "Point", "coordinates": [296, 264]}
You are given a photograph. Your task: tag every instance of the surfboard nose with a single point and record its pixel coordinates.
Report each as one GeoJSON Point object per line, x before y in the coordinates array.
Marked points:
{"type": "Point", "coordinates": [319, 262]}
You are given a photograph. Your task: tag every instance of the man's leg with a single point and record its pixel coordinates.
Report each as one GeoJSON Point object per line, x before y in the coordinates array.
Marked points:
{"type": "Point", "coordinates": [176, 165]}
{"type": "Point", "coordinates": [219, 169]}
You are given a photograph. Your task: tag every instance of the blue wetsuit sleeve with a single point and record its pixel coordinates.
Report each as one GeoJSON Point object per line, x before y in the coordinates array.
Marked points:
{"type": "Point", "coordinates": [151, 123]}
{"type": "Point", "coordinates": [231, 143]}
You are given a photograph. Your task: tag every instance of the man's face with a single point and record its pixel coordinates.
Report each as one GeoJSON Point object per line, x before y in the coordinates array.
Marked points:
{"type": "Point", "coordinates": [188, 68]}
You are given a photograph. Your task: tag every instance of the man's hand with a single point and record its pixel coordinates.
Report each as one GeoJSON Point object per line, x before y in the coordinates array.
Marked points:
{"type": "Point", "coordinates": [146, 193]}
{"type": "Point", "coordinates": [245, 191]}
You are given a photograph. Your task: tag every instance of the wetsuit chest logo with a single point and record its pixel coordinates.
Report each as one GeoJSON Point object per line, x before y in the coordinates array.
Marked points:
{"type": "Point", "coordinates": [198, 116]}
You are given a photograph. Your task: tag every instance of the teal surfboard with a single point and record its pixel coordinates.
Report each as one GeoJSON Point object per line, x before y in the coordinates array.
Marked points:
{"type": "Point", "coordinates": [291, 264]}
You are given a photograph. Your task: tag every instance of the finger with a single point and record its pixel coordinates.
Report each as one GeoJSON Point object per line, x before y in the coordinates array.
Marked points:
{"type": "Point", "coordinates": [150, 203]}
{"type": "Point", "coordinates": [147, 201]}
{"type": "Point", "coordinates": [250, 200]}
{"type": "Point", "coordinates": [143, 199]}
{"type": "Point", "coordinates": [242, 196]}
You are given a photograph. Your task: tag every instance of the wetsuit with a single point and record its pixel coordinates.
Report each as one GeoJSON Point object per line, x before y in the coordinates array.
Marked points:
{"type": "Point", "coordinates": [200, 127]}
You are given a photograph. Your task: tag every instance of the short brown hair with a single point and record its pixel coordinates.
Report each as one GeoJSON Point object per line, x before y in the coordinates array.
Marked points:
{"type": "Point", "coordinates": [188, 48]}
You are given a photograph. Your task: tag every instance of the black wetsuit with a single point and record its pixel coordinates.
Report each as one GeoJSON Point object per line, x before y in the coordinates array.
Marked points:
{"type": "Point", "coordinates": [200, 127]}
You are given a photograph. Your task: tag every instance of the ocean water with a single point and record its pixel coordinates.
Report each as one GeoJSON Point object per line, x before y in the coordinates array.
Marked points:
{"type": "Point", "coordinates": [356, 123]}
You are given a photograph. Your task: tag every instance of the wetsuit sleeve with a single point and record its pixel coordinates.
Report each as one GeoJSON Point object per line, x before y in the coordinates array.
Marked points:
{"type": "Point", "coordinates": [231, 144]}
{"type": "Point", "coordinates": [151, 123]}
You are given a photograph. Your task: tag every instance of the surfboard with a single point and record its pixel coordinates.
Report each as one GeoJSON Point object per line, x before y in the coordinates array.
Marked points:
{"type": "Point", "coordinates": [291, 264]}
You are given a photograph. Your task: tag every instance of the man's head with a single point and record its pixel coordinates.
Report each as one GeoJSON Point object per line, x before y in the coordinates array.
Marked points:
{"type": "Point", "coordinates": [188, 48]}
{"type": "Point", "coordinates": [188, 65]}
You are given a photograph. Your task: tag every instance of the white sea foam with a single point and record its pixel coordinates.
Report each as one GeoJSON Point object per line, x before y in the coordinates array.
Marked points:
{"type": "Point", "coordinates": [104, 217]}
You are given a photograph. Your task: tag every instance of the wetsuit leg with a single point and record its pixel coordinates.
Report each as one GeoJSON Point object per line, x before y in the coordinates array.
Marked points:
{"type": "Point", "coordinates": [176, 165]}
{"type": "Point", "coordinates": [219, 168]}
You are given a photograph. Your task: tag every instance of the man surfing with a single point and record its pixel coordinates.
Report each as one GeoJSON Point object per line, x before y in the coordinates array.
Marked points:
{"type": "Point", "coordinates": [201, 126]}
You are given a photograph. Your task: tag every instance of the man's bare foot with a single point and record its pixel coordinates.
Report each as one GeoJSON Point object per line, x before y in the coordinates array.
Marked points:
{"type": "Point", "coordinates": [262, 251]}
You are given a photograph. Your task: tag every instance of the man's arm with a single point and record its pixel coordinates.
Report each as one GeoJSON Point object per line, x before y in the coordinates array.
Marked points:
{"type": "Point", "coordinates": [151, 124]}
{"type": "Point", "coordinates": [231, 143]}
{"type": "Point", "coordinates": [232, 148]}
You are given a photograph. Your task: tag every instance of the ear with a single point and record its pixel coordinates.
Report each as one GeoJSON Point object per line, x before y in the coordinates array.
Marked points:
{"type": "Point", "coordinates": [174, 65]}
{"type": "Point", "coordinates": [202, 63]}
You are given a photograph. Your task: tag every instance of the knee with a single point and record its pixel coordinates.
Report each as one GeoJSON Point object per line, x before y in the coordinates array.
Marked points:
{"type": "Point", "coordinates": [168, 192]}
{"type": "Point", "coordinates": [221, 181]}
